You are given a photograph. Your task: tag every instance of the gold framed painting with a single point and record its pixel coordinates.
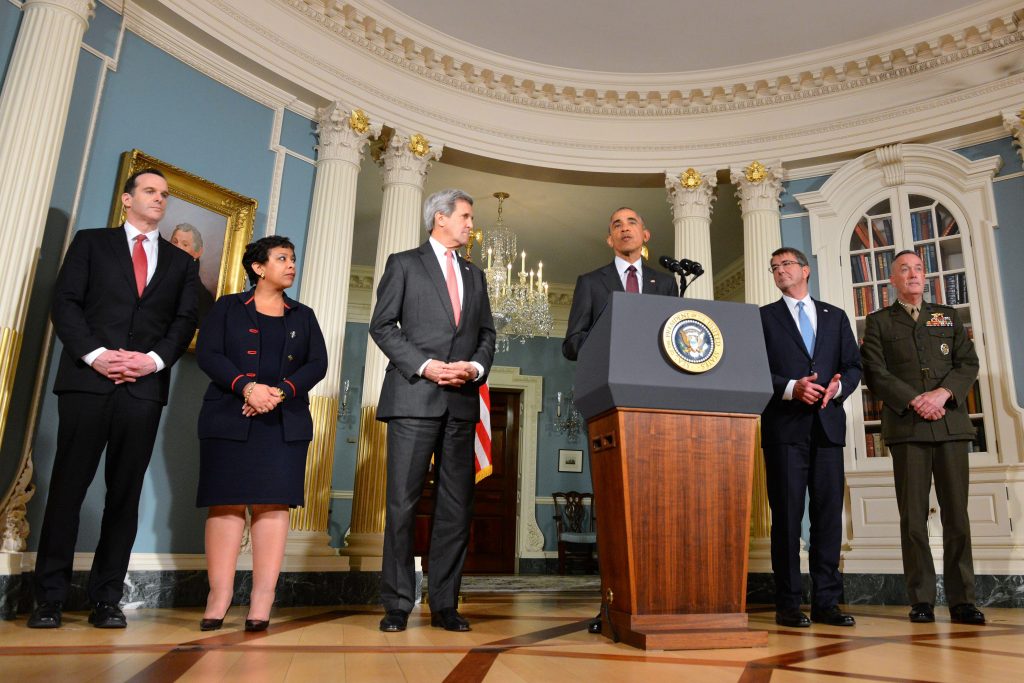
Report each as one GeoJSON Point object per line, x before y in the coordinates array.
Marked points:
{"type": "Point", "coordinates": [209, 221]}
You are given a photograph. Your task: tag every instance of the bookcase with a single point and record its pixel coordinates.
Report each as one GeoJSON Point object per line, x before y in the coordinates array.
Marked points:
{"type": "Point", "coordinates": [924, 225]}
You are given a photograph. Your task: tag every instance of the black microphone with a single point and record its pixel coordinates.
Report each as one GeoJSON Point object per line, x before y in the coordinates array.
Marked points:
{"type": "Point", "coordinates": [672, 265]}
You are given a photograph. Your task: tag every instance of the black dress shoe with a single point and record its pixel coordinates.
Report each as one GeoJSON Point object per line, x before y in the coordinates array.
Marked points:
{"type": "Point", "coordinates": [967, 613]}
{"type": "Point", "coordinates": [832, 616]}
{"type": "Point", "coordinates": [46, 615]}
{"type": "Point", "coordinates": [922, 613]}
{"type": "Point", "coordinates": [792, 618]}
{"type": "Point", "coordinates": [449, 619]}
{"type": "Point", "coordinates": [394, 621]}
{"type": "Point", "coordinates": [253, 625]}
{"type": "Point", "coordinates": [595, 624]}
{"type": "Point", "coordinates": [107, 615]}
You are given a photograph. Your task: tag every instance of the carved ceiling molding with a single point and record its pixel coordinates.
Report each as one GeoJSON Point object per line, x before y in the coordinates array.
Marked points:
{"type": "Point", "coordinates": [686, 96]}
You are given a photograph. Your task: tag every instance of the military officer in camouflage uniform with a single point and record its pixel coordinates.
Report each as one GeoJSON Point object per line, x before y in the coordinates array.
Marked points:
{"type": "Point", "coordinates": [920, 362]}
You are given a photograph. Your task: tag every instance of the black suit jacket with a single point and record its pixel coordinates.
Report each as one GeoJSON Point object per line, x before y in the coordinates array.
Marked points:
{"type": "Point", "coordinates": [591, 295]}
{"type": "Point", "coordinates": [835, 350]}
{"type": "Point", "coordinates": [413, 321]}
{"type": "Point", "coordinates": [229, 350]}
{"type": "Point", "coordinates": [96, 303]}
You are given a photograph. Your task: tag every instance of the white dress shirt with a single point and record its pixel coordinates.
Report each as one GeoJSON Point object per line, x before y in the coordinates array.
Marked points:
{"type": "Point", "coordinates": [441, 252]}
{"type": "Point", "coordinates": [812, 315]}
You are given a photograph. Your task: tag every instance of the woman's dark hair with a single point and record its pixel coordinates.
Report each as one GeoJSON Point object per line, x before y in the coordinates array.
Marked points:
{"type": "Point", "coordinates": [259, 252]}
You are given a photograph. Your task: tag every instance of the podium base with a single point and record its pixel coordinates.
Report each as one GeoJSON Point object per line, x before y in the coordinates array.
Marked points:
{"type": "Point", "coordinates": [683, 631]}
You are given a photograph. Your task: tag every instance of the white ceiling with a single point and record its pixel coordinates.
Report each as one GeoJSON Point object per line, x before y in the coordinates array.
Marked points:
{"type": "Point", "coordinates": [649, 36]}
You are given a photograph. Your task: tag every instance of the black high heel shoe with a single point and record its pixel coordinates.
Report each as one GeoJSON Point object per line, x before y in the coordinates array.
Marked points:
{"type": "Point", "coordinates": [253, 625]}
{"type": "Point", "coordinates": [212, 624]}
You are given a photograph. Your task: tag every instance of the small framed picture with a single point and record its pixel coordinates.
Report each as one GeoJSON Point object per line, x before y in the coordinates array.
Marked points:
{"type": "Point", "coordinates": [570, 461]}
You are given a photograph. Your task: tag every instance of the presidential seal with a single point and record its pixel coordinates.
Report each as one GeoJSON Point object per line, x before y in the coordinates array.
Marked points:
{"type": "Point", "coordinates": [692, 341]}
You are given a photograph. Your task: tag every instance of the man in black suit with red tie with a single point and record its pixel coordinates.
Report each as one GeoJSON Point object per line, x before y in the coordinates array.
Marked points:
{"type": "Point", "coordinates": [815, 366]}
{"type": "Point", "coordinates": [433, 322]}
{"type": "Point", "coordinates": [124, 307]}
{"type": "Point", "coordinates": [626, 273]}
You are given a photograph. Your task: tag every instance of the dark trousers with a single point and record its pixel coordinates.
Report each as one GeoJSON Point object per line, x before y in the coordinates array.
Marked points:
{"type": "Point", "coordinates": [126, 427]}
{"type": "Point", "coordinates": [411, 442]}
{"type": "Point", "coordinates": [792, 471]}
{"type": "Point", "coordinates": [914, 465]}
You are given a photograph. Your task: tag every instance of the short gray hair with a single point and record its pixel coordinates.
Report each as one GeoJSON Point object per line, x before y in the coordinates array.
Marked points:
{"type": "Point", "coordinates": [197, 237]}
{"type": "Point", "coordinates": [443, 201]}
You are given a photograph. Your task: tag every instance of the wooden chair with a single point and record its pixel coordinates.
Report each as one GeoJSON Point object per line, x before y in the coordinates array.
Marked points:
{"type": "Point", "coordinates": [577, 535]}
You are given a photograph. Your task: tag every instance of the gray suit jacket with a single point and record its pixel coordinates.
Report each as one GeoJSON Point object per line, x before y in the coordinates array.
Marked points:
{"type": "Point", "coordinates": [413, 321]}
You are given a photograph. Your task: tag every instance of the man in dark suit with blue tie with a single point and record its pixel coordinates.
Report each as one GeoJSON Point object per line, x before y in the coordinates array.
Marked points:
{"type": "Point", "coordinates": [433, 322]}
{"type": "Point", "coordinates": [124, 307]}
{"type": "Point", "coordinates": [815, 366]}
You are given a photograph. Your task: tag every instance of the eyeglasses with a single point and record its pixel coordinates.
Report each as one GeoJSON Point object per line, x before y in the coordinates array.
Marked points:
{"type": "Point", "coordinates": [784, 264]}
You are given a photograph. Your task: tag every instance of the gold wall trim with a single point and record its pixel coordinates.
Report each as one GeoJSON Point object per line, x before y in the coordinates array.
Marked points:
{"type": "Point", "coordinates": [319, 466]}
{"type": "Point", "coordinates": [369, 501]}
{"type": "Point", "coordinates": [760, 513]}
{"type": "Point", "coordinates": [10, 347]}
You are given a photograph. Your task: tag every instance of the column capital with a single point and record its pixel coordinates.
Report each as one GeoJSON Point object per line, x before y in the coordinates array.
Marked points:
{"type": "Point", "coordinates": [758, 185]}
{"type": "Point", "coordinates": [343, 133]}
{"type": "Point", "coordinates": [407, 159]}
{"type": "Point", "coordinates": [82, 9]}
{"type": "Point", "coordinates": [691, 192]}
{"type": "Point", "coordinates": [1013, 122]}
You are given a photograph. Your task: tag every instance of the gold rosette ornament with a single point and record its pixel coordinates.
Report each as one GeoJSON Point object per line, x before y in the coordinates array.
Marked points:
{"type": "Point", "coordinates": [756, 172]}
{"type": "Point", "coordinates": [359, 121]}
{"type": "Point", "coordinates": [419, 145]}
{"type": "Point", "coordinates": [691, 179]}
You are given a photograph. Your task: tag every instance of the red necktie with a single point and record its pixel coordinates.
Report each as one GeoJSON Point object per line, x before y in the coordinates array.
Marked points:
{"type": "Point", "coordinates": [453, 286]}
{"type": "Point", "coordinates": [140, 263]}
{"type": "Point", "coordinates": [632, 284]}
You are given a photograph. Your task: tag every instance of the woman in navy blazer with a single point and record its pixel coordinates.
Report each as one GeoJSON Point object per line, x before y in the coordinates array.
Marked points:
{"type": "Point", "coordinates": [263, 353]}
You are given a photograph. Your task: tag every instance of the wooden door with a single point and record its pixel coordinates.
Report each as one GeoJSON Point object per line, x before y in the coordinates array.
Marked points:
{"type": "Point", "coordinates": [492, 529]}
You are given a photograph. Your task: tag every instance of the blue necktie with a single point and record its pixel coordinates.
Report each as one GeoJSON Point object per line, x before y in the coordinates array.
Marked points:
{"type": "Point", "coordinates": [806, 331]}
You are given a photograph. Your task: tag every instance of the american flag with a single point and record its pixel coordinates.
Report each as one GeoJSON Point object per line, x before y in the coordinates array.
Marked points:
{"type": "Point", "coordinates": [482, 442]}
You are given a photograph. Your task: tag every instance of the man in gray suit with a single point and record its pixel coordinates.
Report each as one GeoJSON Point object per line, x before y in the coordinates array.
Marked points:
{"type": "Point", "coordinates": [433, 322]}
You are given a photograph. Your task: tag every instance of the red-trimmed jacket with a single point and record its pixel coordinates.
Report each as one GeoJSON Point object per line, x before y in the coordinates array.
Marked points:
{"type": "Point", "coordinates": [229, 350]}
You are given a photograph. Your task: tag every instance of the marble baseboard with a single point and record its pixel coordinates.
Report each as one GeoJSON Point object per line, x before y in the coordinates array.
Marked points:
{"type": "Point", "coordinates": [188, 588]}
{"type": "Point", "coordinates": [890, 589]}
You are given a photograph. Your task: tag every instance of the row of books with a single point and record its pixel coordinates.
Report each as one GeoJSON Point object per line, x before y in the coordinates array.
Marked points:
{"type": "Point", "coordinates": [955, 288]}
{"type": "Point", "coordinates": [921, 225]}
{"type": "Point", "coordinates": [860, 264]}
{"type": "Point", "coordinates": [880, 234]}
{"type": "Point", "coordinates": [863, 301]}
{"type": "Point", "coordinates": [929, 254]}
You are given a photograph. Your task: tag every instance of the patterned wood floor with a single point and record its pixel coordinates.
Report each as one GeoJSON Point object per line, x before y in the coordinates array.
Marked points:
{"type": "Point", "coordinates": [529, 637]}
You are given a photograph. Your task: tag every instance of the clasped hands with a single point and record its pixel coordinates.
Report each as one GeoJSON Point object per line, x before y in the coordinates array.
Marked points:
{"type": "Point", "coordinates": [931, 405]}
{"type": "Point", "coordinates": [260, 398]}
{"type": "Point", "coordinates": [123, 366]}
{"type": "Point", "coordinates": [450, 374]}
{"type": "Point", "coordinates": [810, 392]}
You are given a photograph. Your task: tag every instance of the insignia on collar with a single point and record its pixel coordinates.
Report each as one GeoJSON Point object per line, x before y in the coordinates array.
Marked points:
{"type": "Point", "coordinates": [293, 334]}
{"type": "Point", "coordinates": [939, 320]}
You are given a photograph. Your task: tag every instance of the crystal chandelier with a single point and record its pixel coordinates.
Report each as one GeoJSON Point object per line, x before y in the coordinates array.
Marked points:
{"type": "Point", "coordinates": [519, 301]}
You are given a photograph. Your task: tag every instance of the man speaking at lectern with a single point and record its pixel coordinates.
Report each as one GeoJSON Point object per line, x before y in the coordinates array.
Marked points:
{"type": "Point", "coordinates": [626, 273]}
{"type": "Point", "coordinates": [815, 365]}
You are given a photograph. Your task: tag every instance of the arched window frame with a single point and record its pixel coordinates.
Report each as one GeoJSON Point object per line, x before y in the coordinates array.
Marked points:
{"type": "Point", "coordinates": [964, 187]}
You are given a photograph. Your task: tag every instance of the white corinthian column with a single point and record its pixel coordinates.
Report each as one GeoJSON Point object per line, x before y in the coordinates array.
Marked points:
{"type": "Point", "coordinates": [404, 164]}
{"type": "Point", "coordinates": [691, 194]}
{"type": "Point", "coordinates": [758, 188]}
{"type": "Point", "coordinates": [343, 136]}
{"type": "Point", "coordinates": [34, 107]}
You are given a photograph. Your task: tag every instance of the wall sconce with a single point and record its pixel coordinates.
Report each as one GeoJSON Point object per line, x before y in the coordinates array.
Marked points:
{"type": "Point", "coordinates": [344, 399]}
{"type": "Point", "coordinates": [567, 420]}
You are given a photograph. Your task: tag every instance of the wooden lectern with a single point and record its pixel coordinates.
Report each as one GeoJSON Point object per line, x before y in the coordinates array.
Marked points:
{"type": "Point", "coordinates": [672, 457]}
